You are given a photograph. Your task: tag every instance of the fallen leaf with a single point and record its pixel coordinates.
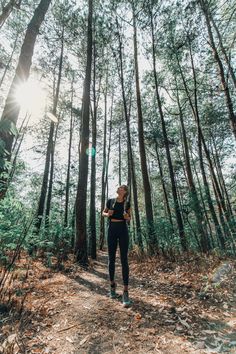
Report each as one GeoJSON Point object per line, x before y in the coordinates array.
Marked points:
{"type": "Point", "coordinates": [138, 316]}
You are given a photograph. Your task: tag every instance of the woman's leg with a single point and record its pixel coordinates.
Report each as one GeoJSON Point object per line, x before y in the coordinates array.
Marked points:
{"type": "Point", "coordinates": [124, 246]}
{"type": "Point", "coordinates": [112, 247]}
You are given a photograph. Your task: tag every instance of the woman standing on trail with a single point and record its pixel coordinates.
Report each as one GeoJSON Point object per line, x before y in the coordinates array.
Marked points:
{"type": "Point", "coordinates": [118, 212]}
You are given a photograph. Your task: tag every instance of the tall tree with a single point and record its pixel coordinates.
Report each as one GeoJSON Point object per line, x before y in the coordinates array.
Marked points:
{"type": "Point", "coordinates": [7, 9]}
{"type": "Point", "coordinates": [179, 218]}
{"type": "Point", "coordinates": [144, 169]}
{"type": "Point", "coordinates": [229, 102]}
{"type": "Point", "coordinates": [129, 143]}
{"type": "Point", "coordinates": [69, 156]}
{"type": "Point", "coordinates": [54, 112]}
{"type": "Point", "coordinates": [12, 108]}
{"type": "Point", "coordinates": [81, 197]}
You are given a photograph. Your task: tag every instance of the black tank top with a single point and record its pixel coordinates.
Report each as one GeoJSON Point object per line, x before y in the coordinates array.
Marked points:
{"type": "Point", "coordinates": [118, 207]}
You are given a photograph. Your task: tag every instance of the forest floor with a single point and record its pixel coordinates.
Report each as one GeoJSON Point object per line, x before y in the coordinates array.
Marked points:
{"type": "Point", "coordinates": [178, 307]}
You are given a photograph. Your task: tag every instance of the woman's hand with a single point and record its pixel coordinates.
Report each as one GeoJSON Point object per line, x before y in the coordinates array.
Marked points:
{"type": "Point", "coordinates": [126, 216]}
{"type": "Point", "coordinates": [110, 212]}
{"type": "Point", "coordinates": [107, 212]}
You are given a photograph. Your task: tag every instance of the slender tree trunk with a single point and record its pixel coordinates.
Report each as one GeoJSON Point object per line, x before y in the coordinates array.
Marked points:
{"type": "Point", "coordinates": [7, 67]}
{"type": "Point", "coordinates": [17, 148]}
{"type": "Point", "coordinates": [54, 111]}
{"type": "Point", "coordinates": [81, 198]}
{"type": "Point", "coordinates": [200, 152]}
{"type": "Point", "coordinates": [119, 155]}
{"type": "Point", "coordinates": [229, 102]}
{"type": "Point", "coordinates": [7, 9]}
{"type": "Point", "coordinates": [144, 170]}
{"type": "Point", "coordinates": [44, 186]}
{"type": "Point", "coordinates": [103, 194]}
{"type": "Point", "coordinates": [168, 155]}
{"type": "Point", "coordinates": [201, 135]}
{"type": "Point", "coordinates": [109, 144]}
{"type": "Point", "coordinates": [130, 152]}
{"type": "Point", "coordinates": [205, 245]}
{"type": "Point", "coordinates": [221, 177]}
{"type": "Point", "coordinates": [92, 216]}
{"type": "Point", "coordinates": [11, 110]}
{"type": "Point", "coordinates": [227, 60]}
{"type": "Point", "coordinates": [69, 158]}
{"type": "Point", "coordinates": [166, 199]}
{"type": "Point", "coordinates": [202, 198]}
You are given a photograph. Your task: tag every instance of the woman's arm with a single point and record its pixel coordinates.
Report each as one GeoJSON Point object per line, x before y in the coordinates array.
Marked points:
{"type": "Point", "coordinates": [107, 212]}
{"type": "Point", "coordinates": [127, 215]}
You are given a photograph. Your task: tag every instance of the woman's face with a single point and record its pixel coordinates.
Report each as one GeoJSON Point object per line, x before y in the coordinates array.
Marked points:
{"type": "Point", "coordinates": [121, 192]}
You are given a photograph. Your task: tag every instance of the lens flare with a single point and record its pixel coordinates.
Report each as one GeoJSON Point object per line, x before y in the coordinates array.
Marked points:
{"type": "Point", "coordinates": [91, 151]}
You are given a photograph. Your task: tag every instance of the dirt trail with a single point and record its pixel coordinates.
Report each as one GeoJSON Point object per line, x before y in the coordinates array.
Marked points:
{"type": "Point", "coordinates": [77, 316]}
{"type": "Point", "coordinates": [176, 310]}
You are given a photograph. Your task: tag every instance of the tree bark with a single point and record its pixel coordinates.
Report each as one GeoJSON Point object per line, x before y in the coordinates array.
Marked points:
{"type": "Point", "coordinates": [231, 70]}
{"type": "Point", "coordinates": [104, 163]}
{"type": "Point", "coordinates": [204, 241]}
{"type": "Point", "coordinates": [66, 224]}
{"type": "Point", "coordinates": [92, 216]}
{"type": "Point", "coordinates": [53, 143]}
{"type": "Point", "coordinates": [81, 197]}
{"type": "Point", "coordinates": [119, 156]}
{"type": "Point", "coordinates": [229, 102]}
{"type": "Point", "coordinates": [166, 199]}
{"type": "Point", "coordinates": [200, 152]}
{"type": "Point", "coordinates": [143, 159]}
{"type": "Point", "coordinates": [129, 143]}
{"type": "Point", "coordinates": [9, 60]}
{"type": "Point", "coordinates": [167, 148]}
{"type": "Point", "coordinates": [44, 186]}
{"type": "Point", "coordinates": [11, 110]}
{"type": "Point", "coordinates": [7, 9]}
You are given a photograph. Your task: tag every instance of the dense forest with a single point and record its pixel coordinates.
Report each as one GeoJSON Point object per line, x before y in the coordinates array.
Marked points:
{"type": "Point", "coordinates": [95, 94]}
{"type": "Point", "coordinates": [102, 93]}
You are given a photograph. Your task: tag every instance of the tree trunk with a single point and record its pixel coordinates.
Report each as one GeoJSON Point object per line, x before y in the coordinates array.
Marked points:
{"type": "Point", "coordinates": [204, 241]}
{"type": "Point", "coordinates": [200, 133]}
{"type": "Point", "coordinates": [166, 199]}
{"type": "Point", "coordinates": [104, 163]}
{"type": "Point", "coordinates": [119, 156]}
{"type": "Point", "coordinates": [221, 177]}
{"type": "Point", "coordinates": [11, 110]}
{"type": "Point", "coordinates": [202, 198]}
{"type": "Point", "coordinates": [92, 216]}
{"type": "Point", "coordinates": [230, 68]}
{"type": "Point", "coordinates": [10, 60]}
{"type": "Point", "coordinates": [200, 136]}
{"type": "Point", "coordinates": [144, 170]}
{"type": "Point", "coordinates": [7, 9]}
{"type": "Point", "coordinates": [229, 102]}
{"type": "Point", "coordinates": [17, 146]}
{"type": "Point", "coordinates": [44, 186]}
{"type": "Point", "coordinates": [81, 197]}
{"type": "Point", "coordinates": [129, 143]}
{"type": "Point", "coordinates": [166, 142]}
{"type": "Point", "coordinates": [54, 112]}
{"type": "Point", "coordinates": [66, 224]}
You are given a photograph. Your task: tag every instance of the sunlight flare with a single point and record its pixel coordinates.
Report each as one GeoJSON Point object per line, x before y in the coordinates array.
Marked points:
{"type": "Point", "coordinates": [32, 98]}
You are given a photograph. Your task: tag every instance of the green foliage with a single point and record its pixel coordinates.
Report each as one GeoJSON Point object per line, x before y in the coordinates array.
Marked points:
{"type": "Point", "coordinates": [12, 216]}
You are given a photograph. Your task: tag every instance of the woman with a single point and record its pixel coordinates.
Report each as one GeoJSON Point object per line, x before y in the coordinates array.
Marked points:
{"type": "Point", "coordinates": [118, 212]}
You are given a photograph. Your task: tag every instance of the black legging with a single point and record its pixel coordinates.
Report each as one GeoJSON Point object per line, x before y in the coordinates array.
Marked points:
{"type": "Point", "coordinates": [118, 231]}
